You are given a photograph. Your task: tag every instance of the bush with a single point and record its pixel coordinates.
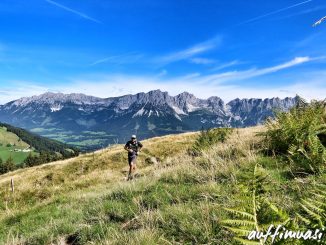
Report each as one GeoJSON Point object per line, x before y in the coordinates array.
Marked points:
{"type": "Point", "coordinates": [207, 138]}
{"type": "Point", "coordinates": [296, 135]}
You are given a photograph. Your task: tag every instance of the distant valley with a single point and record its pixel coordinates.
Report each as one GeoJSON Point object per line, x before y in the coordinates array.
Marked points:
{"type": "Point", "coordinates": [91, 123]}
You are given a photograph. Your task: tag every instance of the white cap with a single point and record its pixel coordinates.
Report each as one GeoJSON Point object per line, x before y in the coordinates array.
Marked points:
{"type": "Point", "coordinates": [133, 136]}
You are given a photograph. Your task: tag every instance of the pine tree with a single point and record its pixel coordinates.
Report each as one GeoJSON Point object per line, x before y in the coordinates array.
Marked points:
{"type": "Point", "coordinates": [30, 160]}
{"type": "Point", "coordinates": [7, 166]}
{"type": "Point", "coordinates": [10, 164]}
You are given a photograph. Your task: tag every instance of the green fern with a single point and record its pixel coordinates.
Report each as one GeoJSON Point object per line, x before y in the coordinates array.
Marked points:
{"type": "Point", "coordinates": [254, 211]}
{"type": "Point", "coordinates": [300, 136]}
{"type": "Point", "coordinates": [313, 209]}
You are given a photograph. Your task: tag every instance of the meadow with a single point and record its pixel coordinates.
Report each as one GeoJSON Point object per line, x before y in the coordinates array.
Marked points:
{"type": "Point", "coordinates": [8, 143]}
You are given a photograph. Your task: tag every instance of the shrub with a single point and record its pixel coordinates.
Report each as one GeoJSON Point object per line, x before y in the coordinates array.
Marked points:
{"type": "Point", "coordinates": [207, 138]}
{"type": "Point", "coordinates": [296, 135]}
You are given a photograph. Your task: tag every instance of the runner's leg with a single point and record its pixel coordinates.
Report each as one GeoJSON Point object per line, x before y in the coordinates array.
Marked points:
{"type": "Point", "coordinates": [130, 168]}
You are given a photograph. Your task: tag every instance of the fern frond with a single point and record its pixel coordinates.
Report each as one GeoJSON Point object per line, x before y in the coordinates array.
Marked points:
{"type": "Point", "coordinates": [239, 222]}
{"type": "Point", "coordinates": [255, 215]}
{"type": "Point", "coordinates": [317, 205]}
{"type": "Point", "coordinates": [240, 213]}
{"type": "Point", "coordinates": [239, 231]}
{"type": "Point", "coordinates": [303, 219]}
{"type": "Point", "coordinates": [311, 213]}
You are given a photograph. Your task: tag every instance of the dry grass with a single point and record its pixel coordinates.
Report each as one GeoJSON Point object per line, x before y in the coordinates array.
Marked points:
{"type": "Point", "coordinates": [88, 171]}
{"type": "Point", "coordinates": [177, 201]}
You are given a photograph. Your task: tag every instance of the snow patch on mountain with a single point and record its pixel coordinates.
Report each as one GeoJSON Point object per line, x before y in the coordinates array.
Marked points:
{"type": "Point", "coordinates": [178, 117]}
{"type": "Point", "coordinates": [139, 113]}
{"type": "Point", "coordinates": [178, 110]}
{"type": "Point", "coordinates": [192, 108]}
{"type": "Point", "coordinates": [55, 108]}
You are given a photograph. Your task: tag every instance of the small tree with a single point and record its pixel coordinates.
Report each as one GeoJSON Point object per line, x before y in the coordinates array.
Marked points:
{"type": "Point", "coordinates": [1, 166]}
{"type": "Point", "coordinates": [7, 166]}
{"type": "Point", "coordinates": [31, 160]}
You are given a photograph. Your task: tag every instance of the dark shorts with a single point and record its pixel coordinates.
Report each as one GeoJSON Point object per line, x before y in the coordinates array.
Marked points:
{"type": "Point", "coordinates": [132, 158]}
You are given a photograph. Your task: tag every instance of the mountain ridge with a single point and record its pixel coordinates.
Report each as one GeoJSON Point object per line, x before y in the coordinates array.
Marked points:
{"type": "Point", "coordinates": [68, 116]}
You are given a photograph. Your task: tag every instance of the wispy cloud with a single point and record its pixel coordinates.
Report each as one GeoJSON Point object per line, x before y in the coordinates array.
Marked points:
{"type": "Point", "coordinates": [303, 12]}
{"type": "Point", "coordinates": [190, 52]}
{"type": "Point", "coordinates": [224, 84]}
{"type": "Point", "coordinates": [296, 61]}
{"type": "Point", "coordinates": [162, 73]}
{"type": "Point", "coordinates": [73, 11]}
{"type": "Point", "coordinates": [226, 65]}
{"type": "Point", "coordinates": [275, 12]}
{"type": "Point", "coordinates": [119, 59]}
{"type": "Point", "coordinates": [219, 78]}
{"type": "Point", "coordinates": [19, 89]}
{"type": "Point", "coordinates": [202, 61]}
{"type": "Point", "coordinates": [200, 85]}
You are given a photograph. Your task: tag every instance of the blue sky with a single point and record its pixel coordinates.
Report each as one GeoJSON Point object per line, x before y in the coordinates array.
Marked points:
{"type": "Point", "coordinates": [107, 48]}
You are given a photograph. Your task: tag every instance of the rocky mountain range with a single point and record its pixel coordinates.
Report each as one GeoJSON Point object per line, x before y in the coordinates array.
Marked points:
{"type": "Point", "coordinates": [91, 122]}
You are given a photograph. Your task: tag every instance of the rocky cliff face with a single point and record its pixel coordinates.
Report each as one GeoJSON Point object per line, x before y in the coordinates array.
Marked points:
{"type": "Point", "coordinates": [67, 116]}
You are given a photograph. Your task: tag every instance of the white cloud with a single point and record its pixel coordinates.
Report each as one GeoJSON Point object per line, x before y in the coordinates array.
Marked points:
{"type": "Point", "coordinates": [251, 73]}
{"type": "Point", "coordinates": [275, 12]}
{"type": "Point", "coordinates": [226, 65]}
{"type": "Point", "coordinates": [119, 59]}
{"type": "Point", "coordinates": [303, 12]}
{"type": "Point", "coordinates": [73, 11]}
{"type": "Point", "coordinates": [190, 52]}
{"type": "Point", "coordinates": [19, 89]}
{"type": "Point", "coordinates": [203, 86]}
{"type": "Point", "coordinates": [311, 88]}
{"type": "Point", "coordinates": [202, 61]}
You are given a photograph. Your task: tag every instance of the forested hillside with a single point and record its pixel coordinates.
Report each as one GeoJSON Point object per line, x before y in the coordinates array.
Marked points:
{"type": "Point", "coordinates": [20, 148]}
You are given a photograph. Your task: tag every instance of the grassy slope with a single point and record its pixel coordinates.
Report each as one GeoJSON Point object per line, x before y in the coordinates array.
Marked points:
{"type": "Point", "coordinates": [10, 138]}
{"type": "Point", "coordinates": [180, 200]}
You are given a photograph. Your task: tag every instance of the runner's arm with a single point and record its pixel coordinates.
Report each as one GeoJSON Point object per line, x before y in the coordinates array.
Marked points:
{"type": "Point", "coordinates": [127, 148]}
{"type": "Point", "coordinates": [140, 146]}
